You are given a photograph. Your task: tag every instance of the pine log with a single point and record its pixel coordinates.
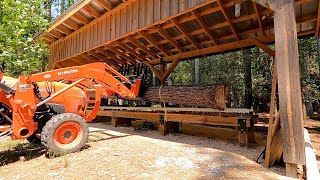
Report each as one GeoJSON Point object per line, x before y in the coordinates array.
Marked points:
{"type": "Point", "coordinates": [214, 96]}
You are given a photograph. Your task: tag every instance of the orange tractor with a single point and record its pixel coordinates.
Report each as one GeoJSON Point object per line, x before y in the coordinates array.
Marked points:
{"type": "Point", "coordinates": [50, 107]}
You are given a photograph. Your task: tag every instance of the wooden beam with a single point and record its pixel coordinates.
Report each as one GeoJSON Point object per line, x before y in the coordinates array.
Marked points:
{"type": "Point", "coordinates": [130, 50]}
{"type": "Point", "coordinates": [205, 27]}
{"type": "Point", "coordinates": [289, 86]}
{"type": "Point", "coordinates": [276, 147]}
{"type": "Point", "coordinates": [264, 47]}
{"type": "Point", "coordinates": [153, 42]}
{"type": "Point", "coordinates": [63, 30]}
{"type": "Point", "coordinates": [98, 57]}
{"type": "Point", "coordinates": [183, 31]}
{"type": "Point", "coordinates": [50, 37]}
{"type": "Point", "coordinates": [58, 65]}
{"type": "Point", "coordinates": [105, 4]}
{"type": "Point", "coordinates": [219, 48]}
{"type": "Point", "coordinates": [171, 68]}
{"type": "Point", "coordinates": [271, 4]}
{"type": "Point", "coordinates": [154, 70]}
{"type": "Point", "coordinates": [169, 38]}
{"type": "Point", "coordinates": [71, 24]}
{"type": "Point", "coordinates": [266, 3]}
{"type": "Point", "coordinates": [103, 52]}
{"type": "Point", "coordinates": [222, 24]}
{"type": "Point", "coordinates": [174, 117]}
{"type": "Point", "coordinates": [56, 33]}
{"type": "Point", "coordinates": [271, 116]}
{"type": "Point", "coordinates": [318, 21]}
{"type": "Point", "coordinates": [75, 60]}
{"type": "Point", "coordinates": [225, 14]}
{"type": "Point", "coordinates": [75, 8]}
{"type": "Point", "coordinates": [80, 18]}
{"type": "Point", "coordinates": [89, 10]}
{"type": "Point", "coordinates": [84, 60]}
{"type": "Point", "coordinates": [139, 45]}
{"type": "Point", "coordinates": [259, 17]}
{"type": "Point", "coordinates": [120, 54]}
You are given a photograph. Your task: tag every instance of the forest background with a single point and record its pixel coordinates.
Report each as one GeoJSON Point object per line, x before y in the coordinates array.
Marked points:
{"type": "Point", "coordinates": [246, 73]}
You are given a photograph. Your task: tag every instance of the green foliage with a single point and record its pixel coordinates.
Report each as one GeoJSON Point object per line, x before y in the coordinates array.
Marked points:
{"type": "Point", "coordinates": [183, 73]}
{"type": "Point", "coordinates": [21, 21]}
{"type": "Point", "coordinates": [225, 69]}
{"type": "Point", "coordinates": [309, 63]}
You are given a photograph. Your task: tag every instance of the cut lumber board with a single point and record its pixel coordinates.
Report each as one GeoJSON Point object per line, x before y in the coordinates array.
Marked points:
{"type": "Point", "coordinates": [214, 96]}
{"type": "Point", "coordinates": [312, 170]}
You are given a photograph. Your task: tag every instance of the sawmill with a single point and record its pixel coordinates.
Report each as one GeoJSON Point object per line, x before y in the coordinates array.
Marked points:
{"type": "Point", "coordinates": [147, 39]}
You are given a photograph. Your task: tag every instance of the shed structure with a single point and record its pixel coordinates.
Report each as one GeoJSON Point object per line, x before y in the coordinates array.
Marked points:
{"type": "Point", "coordinates": [121, 32]}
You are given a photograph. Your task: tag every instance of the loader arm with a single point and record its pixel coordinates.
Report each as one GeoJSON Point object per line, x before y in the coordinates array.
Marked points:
{"type": "Point", "coordinates": [97, 73]}
{"type": "Point", "coordinates": [97, 77]}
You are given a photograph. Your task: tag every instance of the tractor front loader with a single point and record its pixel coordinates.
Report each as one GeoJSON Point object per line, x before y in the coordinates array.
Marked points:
{"type": "Point", "coordinates": [50, 107]}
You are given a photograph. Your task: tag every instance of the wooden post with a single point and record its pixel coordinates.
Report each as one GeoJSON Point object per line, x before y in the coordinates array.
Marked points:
{"type": "Point", "coordinates": [271, 115]}
{"type": "Point", "coordinates": [115, 121]}
{"type": "Point", "coordinates": [276, 147]}
{"type": "Point", "coordinates": [242, 132]}
{"type": "Point", "coordinates": [289, 85]}
{"type": "Point", "coordinates": [246, 135]}
{"type": "Point", "coordinates": [168, 126]}
{"type": "Point", "coordinates": [163, 123]}
{"type": "Point", "coordinates": [251, 130]}
{"type": "Point", "coordinates": [291, 170]}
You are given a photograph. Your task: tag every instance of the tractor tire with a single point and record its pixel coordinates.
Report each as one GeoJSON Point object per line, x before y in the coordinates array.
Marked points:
{"type": "Point", "coordinates": [65, 133]}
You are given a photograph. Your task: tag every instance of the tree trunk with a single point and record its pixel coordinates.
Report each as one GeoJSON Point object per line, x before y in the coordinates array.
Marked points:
{"type": "Point", "coordinates": [201, 96]}
{"type": "Point", "coordinates": [247, 78]}
{"type": "Point", "coordinates": [318, 40]}
{"type": "Point", "coordinates": [196, 72]}
{"type": "Point", "coordinates": [306, 93]}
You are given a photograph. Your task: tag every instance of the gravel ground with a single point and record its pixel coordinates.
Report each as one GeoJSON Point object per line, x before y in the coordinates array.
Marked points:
{"type": "Point", "coordinates": [122, 153]}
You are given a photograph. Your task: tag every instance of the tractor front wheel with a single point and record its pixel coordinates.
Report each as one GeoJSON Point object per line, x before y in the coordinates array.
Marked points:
{"type": "Point", "coordinates": [65, 133]}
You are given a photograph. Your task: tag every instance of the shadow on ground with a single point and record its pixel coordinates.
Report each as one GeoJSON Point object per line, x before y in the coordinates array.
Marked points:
{"type": "Point", "coordinates": [21, 152]}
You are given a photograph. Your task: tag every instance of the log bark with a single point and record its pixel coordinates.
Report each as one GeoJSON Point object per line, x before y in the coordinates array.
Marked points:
{"type": "Point", "coordinates": [201, 96]}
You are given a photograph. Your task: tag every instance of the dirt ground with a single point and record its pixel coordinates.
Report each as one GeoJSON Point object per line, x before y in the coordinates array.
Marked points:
{"type": "Point", "coordinates": [122, 153]}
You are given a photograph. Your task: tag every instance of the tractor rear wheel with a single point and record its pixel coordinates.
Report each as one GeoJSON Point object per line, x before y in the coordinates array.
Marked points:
{"type": "Point", "coordinates": [65, 133]}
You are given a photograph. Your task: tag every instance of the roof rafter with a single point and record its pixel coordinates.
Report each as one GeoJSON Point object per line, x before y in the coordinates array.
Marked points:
{"type": "Point", "coordinates": [225, 14]}
{"type": "Point", "coordinates": [105, 4]}
{"type": "Point", "coordinates": [184, 32]}
{"type": "Point", "coordinates": [119, 53]}
{"type": "Point", "coordinates": [169, 38]}
{"type": "Point", "coordinates": [113, 57]}
{"type": "Point", "coordinates": [204, 26]}
{"type": "Point", "coordinates": [130, 50]}
{"type": "Point", "coordinates": [153, 42]}
{"type": "Point", "coordinates": [81, 19]}
{"type": "Point", "coordinates": [259, 17]}
{"type": "Point", "coordinates": [89, 10]}
{"type": "Point", "coordinates": [139, 45]}
{"type": "Point", "coordinates": [318, 21]}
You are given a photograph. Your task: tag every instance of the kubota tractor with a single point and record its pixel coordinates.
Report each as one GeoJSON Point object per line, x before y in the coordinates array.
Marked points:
{"type": "Point", "coordinates": [50, 107]}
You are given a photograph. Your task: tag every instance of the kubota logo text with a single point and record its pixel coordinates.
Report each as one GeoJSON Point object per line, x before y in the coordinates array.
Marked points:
{"type": "Point", "coordinates": [67, 72]}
